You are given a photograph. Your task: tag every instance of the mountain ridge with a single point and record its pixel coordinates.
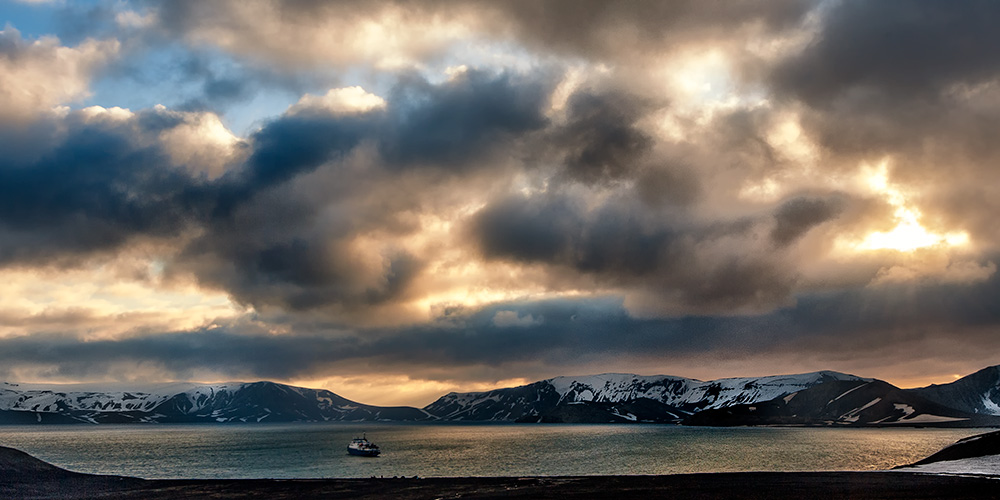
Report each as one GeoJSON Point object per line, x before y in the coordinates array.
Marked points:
{"type": "Point", "coordinates": [667, 396]}
{"type": "Point", "coordinates": [228, 402]}
{"type": "Point", "coordinates": [845, 403]}
{"type": "Point", "coordinates": [607, 397]}
{"type": "Point", "coordinates": [975, 393]}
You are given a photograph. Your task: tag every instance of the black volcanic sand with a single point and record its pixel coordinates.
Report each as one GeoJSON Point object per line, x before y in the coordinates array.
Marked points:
{"type": "Point", "coordinates": [812, 485]}
{"type": "Point", "coordinates": [24, 477]}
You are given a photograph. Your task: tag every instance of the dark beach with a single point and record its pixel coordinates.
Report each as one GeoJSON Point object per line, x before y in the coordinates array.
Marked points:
{"type": "Point", "coordinates": [24, 477]}
{"type": "Point", "coordinates": [814, 485]}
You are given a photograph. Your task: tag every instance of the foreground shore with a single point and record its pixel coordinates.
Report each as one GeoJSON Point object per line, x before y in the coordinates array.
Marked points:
{"type": "Point", "coordinates": [811, 485]}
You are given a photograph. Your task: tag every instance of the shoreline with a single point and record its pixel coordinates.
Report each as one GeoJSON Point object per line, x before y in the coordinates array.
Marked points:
{"type": "Point", "coordinates": [739, 485]}
{"type": "Point", "coordinates": [23, 476]}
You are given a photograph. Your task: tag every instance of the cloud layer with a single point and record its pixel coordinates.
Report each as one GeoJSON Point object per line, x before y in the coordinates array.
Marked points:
{"type": "Point", "coordinates": [468, 192]}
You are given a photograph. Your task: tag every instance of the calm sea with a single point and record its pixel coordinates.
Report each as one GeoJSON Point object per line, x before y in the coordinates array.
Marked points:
{"type": "Point", "coordinates": [319, 450]}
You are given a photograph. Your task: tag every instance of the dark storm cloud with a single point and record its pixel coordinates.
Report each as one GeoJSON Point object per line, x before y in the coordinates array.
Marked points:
{"type": "Point", "coordinates": [594, 27]}
{"type": "Point", "coordinates": [561, 332]}
{"type": "Point", "coordinates": [298, 272]}
{"type": "Point", "coordinates": [566, 330]}
{"type": "Point", "coordinates": [182, 354]}
{"type": "Point", "coordinates": [96, 188]}
{"type": "Point", "coordinates": [601, 140]}
{"type": "Point", "coordinates": [622, 243]}
{"type": "Point", "coordinates": [533, 230]}
{"type": "Point", "coordinates": [901, 310]}
{"type": "Point", "coordinates": [908, 49]}
{"type": "Point", "coordinates": [836, 327]}
{"type": "Point", "coordinates": [452, 125]}
{"type": "Point", "coordinates": [591, 28]}
{"type": "Point", "coordinates": [881, 75]}
{"type": "Point", "coordinates": [668, 182]}
{"type": "Point", "coordinates": [797, 216]}
{"type": "Point", "coordinates": [459, 123]}
{"type": "Point", "coordinates": [295, 144]}
{"type": "Point", "coordinates": [559, 231]}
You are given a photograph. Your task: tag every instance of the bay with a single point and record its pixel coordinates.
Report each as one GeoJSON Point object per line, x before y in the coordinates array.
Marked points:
{"type": "Point", "coordinates": [318, 450]}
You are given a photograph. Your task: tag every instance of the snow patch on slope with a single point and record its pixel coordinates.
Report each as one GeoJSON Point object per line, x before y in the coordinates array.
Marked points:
{"type": "Point", "coordinates": [907, 409]}
{"type": "Point", "coordinates": [929, 419]}
{"type": "Point", "coordinates": [855, 414]}
{"type": "Point", "coordinates": [991, 407]}
{"type": "Point", "coordinates": [50, 401]}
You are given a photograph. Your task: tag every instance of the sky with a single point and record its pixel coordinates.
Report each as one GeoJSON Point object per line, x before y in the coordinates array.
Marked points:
{"type": "Point", "coordinates": [394, 200]}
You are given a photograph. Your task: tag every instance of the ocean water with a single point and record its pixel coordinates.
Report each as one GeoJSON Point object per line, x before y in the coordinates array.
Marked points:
{"type": "Point", "coordinates": [318, 450]}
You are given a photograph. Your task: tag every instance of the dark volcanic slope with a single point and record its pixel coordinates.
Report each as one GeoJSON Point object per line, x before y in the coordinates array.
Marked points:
{"type": "Point", "coordinates": [24, 476]}
{"type": "Point", "coordinates": [234, 402]}
{"type": "Point", "coordinates": [845, 403]}
{"type": "Point", "coordinates": [976, 393]}
{"type": "Point", "coordinates": [979, 445]}
{"type": "Point", "coordinates": [16, 463]}
{"type": "Point", "coordinates": [619, 397]}
{"type": "Point", "coordinates": [508, 403]}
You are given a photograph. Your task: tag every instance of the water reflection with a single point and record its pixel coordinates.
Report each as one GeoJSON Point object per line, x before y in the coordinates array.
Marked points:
{"type": "Point", "coordinates": [319, 450]}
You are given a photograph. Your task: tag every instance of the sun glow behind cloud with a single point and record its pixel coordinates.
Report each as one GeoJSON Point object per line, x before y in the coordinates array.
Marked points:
{"type": "Point", "coordinates": [908, 234]}
{"type": "Point", "coordinates": [386, 389]}
{"type": "Point", "coordinates": [702, 84]}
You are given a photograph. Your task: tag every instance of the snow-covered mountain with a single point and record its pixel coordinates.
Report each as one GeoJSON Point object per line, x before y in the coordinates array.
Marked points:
{"type": "Point", "coordinates": [817, 398]}
{"type": "Point", "coordinates": [602, 398]}
{"type": "Point", "coordinates": [18, 397]}
{"type": "Point", "coordinates": [845, 403]}
{"type": "Point", "coordinates": [976, 393]}
{"type": "Point", "coordinates": [230, 402]}
{"type": "Point", "coordinates": [688, 394]}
